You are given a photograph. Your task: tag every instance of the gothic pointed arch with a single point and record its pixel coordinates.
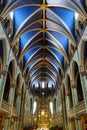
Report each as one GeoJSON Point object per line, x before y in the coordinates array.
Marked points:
{"type": "Point", "coordinates": [69, 90]}
{"type": "Point", "coordinates": [17, 89]}
{"type": "Point", "coordinates": [7, 88]}
{"type": "Point", "coordinates": [84, 56]}
{"type": "Point", "coordinates": [9, 80]}
{"type": "Point", "coordinates": [77, 81]}
{"type": "Point", "coordinates": [3, 53]}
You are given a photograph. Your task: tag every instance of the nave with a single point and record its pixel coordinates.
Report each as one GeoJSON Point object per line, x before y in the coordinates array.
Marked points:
{"type": "Point", "coordinates": [43, 65]}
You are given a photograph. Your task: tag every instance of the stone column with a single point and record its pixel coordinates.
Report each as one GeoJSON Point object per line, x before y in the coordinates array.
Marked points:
{"type": "Point", "coordinates": [18, 106]}
{"type": "Point", "coordinates": [11, 95]}
{"type": "Point", "coordinates": [67, 100]}
{"type": "Point", "coordinates": [3, 72]}
{"type": "Point", "coordinates": [16, 122]}
{"type": "Point", "coordinates": [64, 110]}
{"type": "Point", "coordinates": [83, 77]}
{"type": "Point", "coordinates": [21, 115]}
{"type": "Point", "coordinates": [12, 123]}
{"type": "Point", "coordinates": [64, 114]}
{"type": "Point", "coordinates": [79, 124]}
{"type": "Point", "coordinates": [1, 122]}
{"type": "Point", "coordinates": [3, 76]}
{"type": "Point", "coordinates": [70, 124]}
{"type": "Point", "coordinates": [22, 112]}
{"type": "Point", "coordinates": [67, 108]}
{"type": "Point", "coordinates": [75, 102]}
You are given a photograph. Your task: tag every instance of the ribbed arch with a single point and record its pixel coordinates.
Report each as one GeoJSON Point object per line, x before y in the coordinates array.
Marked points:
{"type": "Point", "coordinates": [39, 74]}
{"type": "Point", "coordinates": [45, 62]}
{"type": "Point", "coordinates": [61, 21]}
{"type": "Point", "coordinates": [35, 52]}
{"type": "Point", "coordinates": [24, 30]}
{"type": "Point", "coordinates": [32, 59]}
{"type": "Point", "coordinates": [30, 40]}
{"type": "Point", "coordinates": [72, 7]}
{"type": "Point", "coordinates": [43, 33]}
{"type": "Point", "coordinates": [61, 51]}
{"type": "Point", "coordinates": [68, 4]}
{"type": "Point", "coordinates": [35, 71]}
{"type": "Point", "coordinates": [35, 58]}
{"type": "Point", "coordinates": [14, 6]}
{"type": "Point", "coordinates": [39, 70]}
{"type": "Point", "coordinates": [25, 21]}
{"type": "Point", "coordinates": [47, 76]}
{"type": "Point", "coordinates": [39, 65]}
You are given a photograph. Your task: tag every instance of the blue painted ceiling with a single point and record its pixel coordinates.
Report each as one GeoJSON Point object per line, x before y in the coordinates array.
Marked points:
{"type": "Point", "coordinates": [44, 28]}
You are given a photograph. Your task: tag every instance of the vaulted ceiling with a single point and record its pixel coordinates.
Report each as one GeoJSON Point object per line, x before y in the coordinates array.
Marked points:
{"type": "Point", "coordinates": [44, 29]}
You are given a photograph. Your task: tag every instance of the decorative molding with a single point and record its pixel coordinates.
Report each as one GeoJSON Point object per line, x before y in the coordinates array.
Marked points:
{"type": "Point", "coordinates": [5, 107]}
{"type": "Point", "coordinates": [67, 93]}
{"type": "Point", "coordinates": [12, 85]}
{"type": "Point", "coordinates": [3, 72]}
{"type": "Point", "coordinates": [73, 86]}
{"type": "Point", "coordinates": [83, 73]}
{"type": "Point", "coordinates": [1, 19]}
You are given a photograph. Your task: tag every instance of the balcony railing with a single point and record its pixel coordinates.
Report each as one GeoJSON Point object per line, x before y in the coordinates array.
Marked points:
{"type": "Point", "coordinates": [80, 109]}
{"type": "Point", "coordinates": [71, 112]}
{"type": "Point", "coordinates": [5, 107]}
{"type": "Point", "coordinates": [14, 112]}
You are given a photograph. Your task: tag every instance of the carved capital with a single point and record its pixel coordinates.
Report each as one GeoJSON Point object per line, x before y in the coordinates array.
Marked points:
{"type": "Point", "coordinates": [83, 73]}
{"type": "Point", "coordinates": [12, 85]}
{"type": "Point", "coordinates": [16, 119]}
{"type": "Point", "coordinates": [73, 86]}
{"type": "Point", "coordinates": [69, 119]}
{"type": "Point", "coordinates": [3, 72]}
{"type": "Point", "coordinates": [18, 63]}
{"type": "Point", "coordinates": [18, 93]}
{"type": "Point", "coordinates": [67, 93]}
{"type": "Point", "coordinates": [1, 19]}
{"type": "Point", "coordinates": [11, 46]}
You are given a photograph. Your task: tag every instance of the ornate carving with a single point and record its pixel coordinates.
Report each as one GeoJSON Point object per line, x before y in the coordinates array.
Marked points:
{"type": "Point", "coordinates": [3, 72]}
{"type": "Point", "coordinates": [83, 73]}
{"type": "Point", "coordinates": [73, 85]}
{"type": "Point", "coordinates": [12, 85]}
{"type": "Point", "coordinates": [67, 93]}
{"type": "Point", "coordinates": [44, 6]}
{"type": "Point", "coordinates": [1, 19]}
